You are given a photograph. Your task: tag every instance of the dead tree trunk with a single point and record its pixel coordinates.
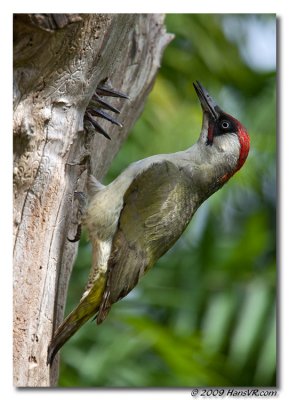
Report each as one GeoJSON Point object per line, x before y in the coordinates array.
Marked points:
{"type": "Point", "coordinates": [58, 62]}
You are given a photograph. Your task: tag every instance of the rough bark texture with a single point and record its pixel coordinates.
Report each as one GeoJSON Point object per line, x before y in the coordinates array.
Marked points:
{"type": "Point", "coordinates": [58, 62]}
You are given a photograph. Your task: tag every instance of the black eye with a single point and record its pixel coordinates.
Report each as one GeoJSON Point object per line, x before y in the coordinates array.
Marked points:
{"type": "Point", "coordinates": [225, 124]}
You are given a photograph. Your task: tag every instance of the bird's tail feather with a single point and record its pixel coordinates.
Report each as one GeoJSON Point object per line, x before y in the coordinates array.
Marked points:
{"type": "Point", "coordinates": [64, 332]}
{"type": "Point", "coordinates": [85, 310]}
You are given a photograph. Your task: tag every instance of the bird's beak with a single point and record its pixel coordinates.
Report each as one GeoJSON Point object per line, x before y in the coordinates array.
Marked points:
{"type": "Point", "coordinates": [207, 102]}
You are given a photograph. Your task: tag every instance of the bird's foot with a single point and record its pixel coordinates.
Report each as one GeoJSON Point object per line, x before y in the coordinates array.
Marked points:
{"type": "Point", "coordinates": [81, 198]}
{"type": "Point", "coordinates": [97, 104]}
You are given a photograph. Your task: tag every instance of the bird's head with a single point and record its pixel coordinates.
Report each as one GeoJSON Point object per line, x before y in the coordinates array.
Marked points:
{"type": "Point", "coordinates": [224, 139]}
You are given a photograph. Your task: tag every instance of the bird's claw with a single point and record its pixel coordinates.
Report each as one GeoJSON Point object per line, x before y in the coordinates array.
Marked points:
{"type": "Point", "coordinates": [77, 236]}
{"type": "Point", "coordinates": [96, 125]}
{"type": "Point", "coordinates": [102, 114]}
{"type": "Point", "coordinates": [96, 105]}
{"type": "Point", "coordinates": [103, 90]}
{"type": "Point", "coordinates": [80, 196]}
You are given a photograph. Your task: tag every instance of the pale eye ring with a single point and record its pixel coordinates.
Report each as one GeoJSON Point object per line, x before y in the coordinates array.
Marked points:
{"type": "Point", "coordinates": [225, 124]}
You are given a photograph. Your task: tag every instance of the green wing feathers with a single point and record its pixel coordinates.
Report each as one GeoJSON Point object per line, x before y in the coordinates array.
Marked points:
{"type": "Point", "coordinates": [158, 205]}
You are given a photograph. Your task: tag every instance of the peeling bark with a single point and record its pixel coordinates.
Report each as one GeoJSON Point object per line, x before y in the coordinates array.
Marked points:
{"type": "Point", "coordinates": [59, 59]}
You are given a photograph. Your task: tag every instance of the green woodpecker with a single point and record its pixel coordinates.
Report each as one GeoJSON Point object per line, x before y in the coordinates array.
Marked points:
{"type": "Point", "coordinates": [138, 217]}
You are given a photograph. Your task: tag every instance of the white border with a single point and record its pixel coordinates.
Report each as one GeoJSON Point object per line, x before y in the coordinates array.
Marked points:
{"type": "Point", "coordinates": [279, 7]}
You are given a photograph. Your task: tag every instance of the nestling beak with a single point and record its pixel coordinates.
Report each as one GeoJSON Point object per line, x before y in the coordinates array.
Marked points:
{"type": "Point", "coordinates": [207, 102]}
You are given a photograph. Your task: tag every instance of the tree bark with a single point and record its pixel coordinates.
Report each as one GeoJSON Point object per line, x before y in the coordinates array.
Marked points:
{"type": "Point", "coordinates": [59, 59]}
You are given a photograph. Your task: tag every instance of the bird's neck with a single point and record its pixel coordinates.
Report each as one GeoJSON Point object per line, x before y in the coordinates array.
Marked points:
{"type": "Point", "coordinates": [210, 169]}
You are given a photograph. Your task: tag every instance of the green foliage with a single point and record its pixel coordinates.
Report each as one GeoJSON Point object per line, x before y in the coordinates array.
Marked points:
{"type": "Point", "coordinates": [205, 314]}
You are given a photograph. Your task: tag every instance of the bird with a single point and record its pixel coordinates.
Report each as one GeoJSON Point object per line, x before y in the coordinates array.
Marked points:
{"type": "Point", "coordinates": [139, 216]}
